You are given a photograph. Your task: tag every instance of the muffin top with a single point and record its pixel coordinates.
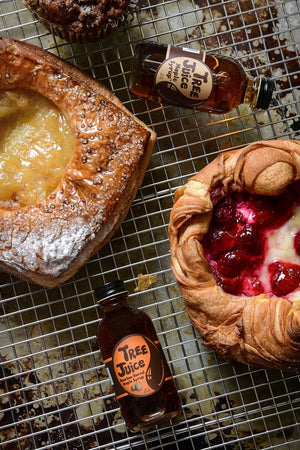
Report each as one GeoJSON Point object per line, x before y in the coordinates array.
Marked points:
{"type": "Point", "coordinates": [80, 15]}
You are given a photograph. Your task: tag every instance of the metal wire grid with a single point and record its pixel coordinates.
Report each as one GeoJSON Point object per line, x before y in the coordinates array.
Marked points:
{"type": "Point", "coordinates": [54, 390]}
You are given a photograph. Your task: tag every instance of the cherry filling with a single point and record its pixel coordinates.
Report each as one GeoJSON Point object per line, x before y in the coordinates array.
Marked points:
{"type": "Point", "coordinates": [297, 243]}
{"type": "Point", "coordinates": [243, 229]}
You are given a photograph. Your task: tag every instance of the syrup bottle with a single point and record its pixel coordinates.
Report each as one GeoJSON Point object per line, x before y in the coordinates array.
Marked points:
{"type": "Point", "coordinates": [193, 79]}
{"type": "Point", "coordinates": [135, 361]}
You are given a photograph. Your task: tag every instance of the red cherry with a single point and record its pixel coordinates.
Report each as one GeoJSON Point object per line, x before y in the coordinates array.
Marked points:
{"type": "Point", "coordinates": [229, 285]}
{"type": "Point", "coordinates": [224, 213]}
{"type": "Point", "coordinates": [272, 211]}
{"type": "Point", "coordinates": [232, 263]}
{"type": "Point", "coordinates": [297, 243]}
{"type": "Point", "coordinates": [250, 239]}
{"type": "Point", "coordinates": [264, 209]}
{"type": "Point", "coordinates": [284, 277]}
{"type": "Point", "coordinates": [220, 242]}
{"type": "Point", "coordinates": [252, 286]}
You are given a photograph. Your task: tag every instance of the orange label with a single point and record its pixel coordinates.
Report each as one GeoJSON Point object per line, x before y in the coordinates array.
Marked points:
{"type": "Point", "coordinates": [137, 366]}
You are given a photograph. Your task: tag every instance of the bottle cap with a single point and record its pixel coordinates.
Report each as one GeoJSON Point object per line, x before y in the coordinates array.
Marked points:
{"type": "Point", "coordinates": [265, 92]}
{"type": "Point", "coordinates": [109, 289]}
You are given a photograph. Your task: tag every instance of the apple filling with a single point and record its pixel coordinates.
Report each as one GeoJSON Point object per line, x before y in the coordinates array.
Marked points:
{"type": "Point", "coordinates": [253, 244]}
{"type": "Point", "coordinates": [36, 144]}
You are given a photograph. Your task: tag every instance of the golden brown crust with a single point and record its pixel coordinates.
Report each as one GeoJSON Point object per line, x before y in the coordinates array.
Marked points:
{"type": "Point", "coordinates": [47, 243]}
{"type": "Point", "coordinates": [261, 331]}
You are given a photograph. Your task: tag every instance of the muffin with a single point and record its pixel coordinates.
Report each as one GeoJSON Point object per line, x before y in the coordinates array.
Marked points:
{"type": "Point", "coordinates": [83, 19]}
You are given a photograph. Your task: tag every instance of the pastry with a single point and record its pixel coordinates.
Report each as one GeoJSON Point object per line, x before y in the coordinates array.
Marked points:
{"type": "Point", "coordinates": [224, 225]}
{"type": "Point", "coordinates": [83, 20]}
{"type": "Point", "coordinates": [47, 241]}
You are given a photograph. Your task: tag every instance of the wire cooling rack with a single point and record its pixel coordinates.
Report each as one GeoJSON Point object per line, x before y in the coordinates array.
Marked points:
{"type": "Point", "coordinates": [54, 389]}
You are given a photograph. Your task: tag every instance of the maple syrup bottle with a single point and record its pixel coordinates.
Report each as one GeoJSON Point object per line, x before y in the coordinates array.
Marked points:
{"type": "Point", "coordinates": [192, 79]}
{"type": "Point", "coordinates": [133, 356]}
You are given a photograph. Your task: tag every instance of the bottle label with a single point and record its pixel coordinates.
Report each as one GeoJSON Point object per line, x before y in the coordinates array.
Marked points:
{"type": "Point", "coordinates": [184, 78]}
{"type": "Point", "coordinates": [137, 366]}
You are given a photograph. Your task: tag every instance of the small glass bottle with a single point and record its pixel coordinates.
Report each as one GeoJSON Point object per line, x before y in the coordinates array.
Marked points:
{"type": "Point", "coordinates": [131, 350]}
{"type": "Point", "coordinates": [192, 79]}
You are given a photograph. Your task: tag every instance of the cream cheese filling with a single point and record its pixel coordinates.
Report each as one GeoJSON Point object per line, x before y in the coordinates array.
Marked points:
{"type": "Point", "coordinates": [280, 247]}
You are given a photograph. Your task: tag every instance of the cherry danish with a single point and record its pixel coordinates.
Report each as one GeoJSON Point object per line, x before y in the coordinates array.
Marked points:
{"type": "Point", "coordinates": [235, 251]}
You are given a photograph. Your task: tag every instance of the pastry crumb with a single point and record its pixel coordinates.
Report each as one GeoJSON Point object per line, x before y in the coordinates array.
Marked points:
{"type": "Point", "coordinates": [145, 281]}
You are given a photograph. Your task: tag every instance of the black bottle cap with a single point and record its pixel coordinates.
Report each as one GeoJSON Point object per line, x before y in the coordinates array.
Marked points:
{"type": "Point", "coordinates": [109, 289]}
{"type": "Point", "coordinates": [267, 86]}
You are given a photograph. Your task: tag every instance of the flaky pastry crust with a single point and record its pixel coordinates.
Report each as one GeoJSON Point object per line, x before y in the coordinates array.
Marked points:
{"type": "Point", "coordinates": [46, 243]}
{"type": "Point", "coordinates": [261, 331]}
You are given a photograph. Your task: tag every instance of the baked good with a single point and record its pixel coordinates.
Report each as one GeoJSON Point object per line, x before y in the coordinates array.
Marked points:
{"type": "Point", "coordinates": [255, 326]}
{"type": "Point", "coordinates": [83, 20]}
{"type": "Point", "coordinates": [46, 242]}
